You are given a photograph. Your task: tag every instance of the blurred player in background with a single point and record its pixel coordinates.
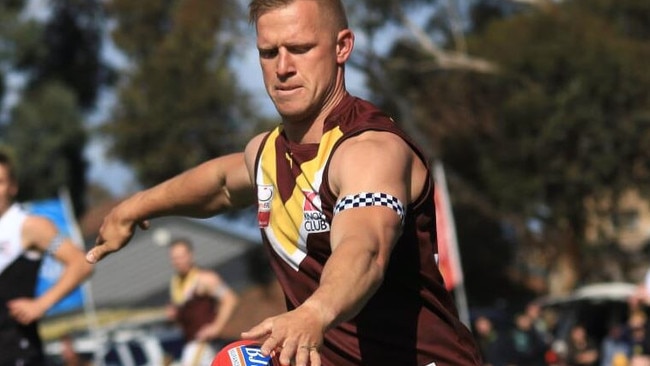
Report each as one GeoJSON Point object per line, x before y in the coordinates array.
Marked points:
{"type": "Point", "coordinates": [201, 303]}
{"type": "Point", "coordinates": [24, 239]}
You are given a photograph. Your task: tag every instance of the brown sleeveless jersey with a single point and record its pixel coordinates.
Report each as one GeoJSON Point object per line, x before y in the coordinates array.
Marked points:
{"type": "Point", "coordinates": [193, 310]}
{"type": "Point", "coordinates": [195, 313]}
{"type": "Point", "coordinates": [411, 319]}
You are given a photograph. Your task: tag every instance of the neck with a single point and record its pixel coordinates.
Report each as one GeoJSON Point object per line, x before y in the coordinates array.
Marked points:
{"type": "Point", "coordinates": [188, 272]}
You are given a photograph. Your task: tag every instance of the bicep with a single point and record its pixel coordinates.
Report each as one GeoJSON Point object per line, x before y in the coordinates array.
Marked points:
{"type": "Point", "coordinates": [375, 162]}
{"type": "Point", "coordinates": [377, 165]}
{"type": "Point", "coordinates": [42, 235]}
{"type": "Point", "coordinates": [39, 233]}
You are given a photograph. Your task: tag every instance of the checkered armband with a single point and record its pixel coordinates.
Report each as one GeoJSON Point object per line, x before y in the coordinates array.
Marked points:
{"type": "Point", "coordinates": [365, 199]}
{"type": "Point", "coordinates": [55, 244]}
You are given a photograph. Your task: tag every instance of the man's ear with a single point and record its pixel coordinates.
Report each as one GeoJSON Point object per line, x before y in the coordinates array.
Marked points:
{"type": "Point", "coordinates": [344, 45]}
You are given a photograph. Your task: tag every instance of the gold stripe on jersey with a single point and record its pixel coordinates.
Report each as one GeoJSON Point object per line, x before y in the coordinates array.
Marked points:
{"type": "Point", "coordinates": [182, 288]}
{"type": "Point", "coordinates": [285, 231]}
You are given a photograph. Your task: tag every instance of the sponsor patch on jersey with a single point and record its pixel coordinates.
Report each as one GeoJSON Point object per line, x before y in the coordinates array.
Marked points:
{"type": "Point", "coordinates": [314, 221]}
{"type": "Point", "coordinates": [264, 198]}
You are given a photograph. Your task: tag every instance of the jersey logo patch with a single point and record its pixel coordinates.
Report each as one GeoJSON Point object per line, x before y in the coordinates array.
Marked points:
{"type": "Point", "coordinates": [264, 197]}
{"type": "Point", "coordinates": [314, 221]}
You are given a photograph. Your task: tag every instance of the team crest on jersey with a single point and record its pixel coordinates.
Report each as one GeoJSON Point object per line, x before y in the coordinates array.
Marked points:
{"type": "Point", "coordinates": [314, 221]}
{"type": "Point", "coordinates": [264, 198]}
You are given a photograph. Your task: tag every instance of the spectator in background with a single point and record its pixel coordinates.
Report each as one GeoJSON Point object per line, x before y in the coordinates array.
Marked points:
{"type": "Point", "coordinates": [24, 240]}
{"type": "Point", "coordinates": [581, 349]}
{"type": "Point", "coordinates": [616, 348]}
{"type": "Point", "coordinates": [638, 335]}
{"type": "Point", "coordinates": [528, 346]}
{"type": "Point", "coordinates": [201, 303]}
{"type": "Point", "coordinates": [540, 322]}
{"type": "Point", "coordinates": [492, 343]}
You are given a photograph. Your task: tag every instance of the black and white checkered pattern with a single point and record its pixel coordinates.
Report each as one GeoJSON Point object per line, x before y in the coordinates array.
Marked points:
{"type": "Point", "coordinates": [365, 199]}
{"type": "Point", "coordinates": [55, 244]}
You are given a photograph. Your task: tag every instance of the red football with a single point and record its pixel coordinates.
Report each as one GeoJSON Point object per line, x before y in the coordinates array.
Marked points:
{"type": "Point", "coordinates": [243, 353]}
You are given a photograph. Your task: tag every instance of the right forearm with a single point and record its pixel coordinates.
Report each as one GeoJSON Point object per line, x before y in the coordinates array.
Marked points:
{"type": "Point", "coordinates": [199, 192]}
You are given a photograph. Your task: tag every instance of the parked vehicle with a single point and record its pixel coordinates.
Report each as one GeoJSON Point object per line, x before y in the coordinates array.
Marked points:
{"type": "Point", "coordinates": [597, 307]}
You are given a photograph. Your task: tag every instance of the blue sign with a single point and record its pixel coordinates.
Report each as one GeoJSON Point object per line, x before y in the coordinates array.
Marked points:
{"type": "Point", "coordinates": [51, 269]}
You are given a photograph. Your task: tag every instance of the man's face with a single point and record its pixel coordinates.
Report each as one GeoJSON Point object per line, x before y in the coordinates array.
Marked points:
{"type": "Point", "coordinates": [297, 50]}
{"type": "Point", "coordinates": [181, 259]}
{"type": "Point", "coordinates": [8, 189]}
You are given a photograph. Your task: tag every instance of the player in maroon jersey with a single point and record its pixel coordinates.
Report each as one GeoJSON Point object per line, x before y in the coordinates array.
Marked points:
{"type": "Point", "coordinates": [345, 208]}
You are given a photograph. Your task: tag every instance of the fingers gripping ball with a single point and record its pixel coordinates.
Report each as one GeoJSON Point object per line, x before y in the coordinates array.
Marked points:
{"type": "Point", "coordinates": [243, 353]}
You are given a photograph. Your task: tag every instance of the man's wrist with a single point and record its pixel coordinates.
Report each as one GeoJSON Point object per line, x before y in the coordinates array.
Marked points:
{"type": "Point", "coordinates": [326, 314]}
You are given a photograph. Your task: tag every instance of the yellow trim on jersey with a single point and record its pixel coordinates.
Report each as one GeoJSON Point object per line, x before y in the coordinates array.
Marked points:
{"type": "Point", "coordinates": [286, 221]}
{"type": "Point", "coordinates": [180, 288]}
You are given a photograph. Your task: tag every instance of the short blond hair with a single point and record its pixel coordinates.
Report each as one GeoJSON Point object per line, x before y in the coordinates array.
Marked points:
{"type": "Point", "coordinates": [333, 8]}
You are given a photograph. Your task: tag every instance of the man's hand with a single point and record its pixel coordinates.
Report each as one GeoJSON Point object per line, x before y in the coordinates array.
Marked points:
{"type": "Point", "coordinates": [114, 234]}
{"type": "Point", "coordinates": [296, 336]}
{"type": "Point", "coordinates": [25, 310]}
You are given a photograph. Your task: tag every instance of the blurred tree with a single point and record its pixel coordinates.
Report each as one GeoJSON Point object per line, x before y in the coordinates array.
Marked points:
{"type": "Point", "coordinates": [59, 60]}
{"type": "Point", "coordinates": [47, 136]}
{"type": "Point", "coordinates": [11, 30]}
{"type": "Point", "coordinates": [561, 117]}
{"type": "Point", "coordinates": [69, 50]}
{"type": "Point", "coordinates": [179, 103]}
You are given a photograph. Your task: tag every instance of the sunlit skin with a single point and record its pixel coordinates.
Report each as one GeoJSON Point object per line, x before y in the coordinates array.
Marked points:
{"type": "Point", "coordinates": [8, 189]}
{"type": "Point", "coordinates": [302, 56]}
{"type": "Point", "coordinates": [181, 259]}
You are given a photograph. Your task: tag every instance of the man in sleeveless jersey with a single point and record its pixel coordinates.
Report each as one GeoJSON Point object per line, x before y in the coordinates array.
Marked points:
{"type": "Point", "coordinates": [345, 208]}
{"type": "Point", "coordinates": [201, 303]}
{"type": "Point", "coordinates": [24, 239]}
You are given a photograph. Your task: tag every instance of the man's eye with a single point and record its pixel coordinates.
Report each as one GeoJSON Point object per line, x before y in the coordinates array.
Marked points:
{"type": "Point", "coordinates": [299, 50]}
{"type": "Point", "coordinates": [268, 53]}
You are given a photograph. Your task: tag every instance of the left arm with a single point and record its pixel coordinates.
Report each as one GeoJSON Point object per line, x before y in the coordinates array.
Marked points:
{"type": "Point", "coordinates": [227, 300]}
{"type": "Point", "coordinates": [362, 240]}
{"type": "Point", "coordinates": [39, 233]}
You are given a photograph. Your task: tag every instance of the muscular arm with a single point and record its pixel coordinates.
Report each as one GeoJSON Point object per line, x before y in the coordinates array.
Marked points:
{"type": "Point", "coordinates": [39, 233]}
{"type": "Point", "coordinates": [362, 239]}
{"type": "Point", "coordinates": [227, 302]}
{"type": "Point", "coordinates": [215, 186]}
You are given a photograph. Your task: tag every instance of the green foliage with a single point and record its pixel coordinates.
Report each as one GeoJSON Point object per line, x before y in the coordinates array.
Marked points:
{"type": "Point", "coordinates": [70, 50]}
{"type": "Point", "coordinates": [572, 124]}
{"type": "Point", "coordinates": [180, 104]}
{"type": "Point", "coordinates": [565, 118]}
{"type": "Point", "coordinates": [60, 62]}
{"type": "Point", "coordinates": [47, 136]}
